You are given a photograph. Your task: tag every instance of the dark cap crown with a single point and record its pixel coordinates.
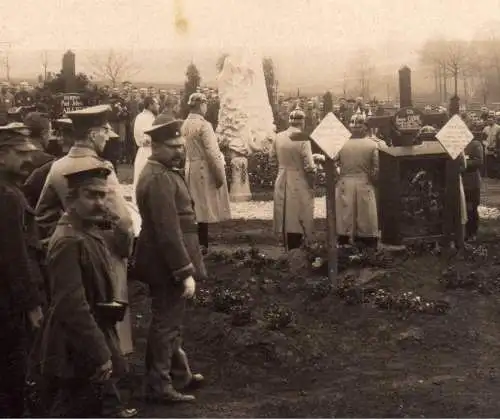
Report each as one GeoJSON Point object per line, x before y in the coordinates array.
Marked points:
{"type": "Point", "coordinates": [87, 176]}
{"type": "Point", "coordinates": [87, 118]}
{"type": "Point", "coordinates": [165, 131]}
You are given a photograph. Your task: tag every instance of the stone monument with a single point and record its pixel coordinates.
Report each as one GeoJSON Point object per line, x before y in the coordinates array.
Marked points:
{"type": "Point", "coordinates": [69, 71]}
{"type": "Point", "coordinates": [405, 87]}
{"type": "Point", "coordinates": [245, 116]}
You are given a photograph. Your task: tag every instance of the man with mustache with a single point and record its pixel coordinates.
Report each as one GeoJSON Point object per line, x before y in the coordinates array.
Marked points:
{"type": "Point", "coordinates": [91, 132]}
{"type": "Point", "coordinates": [79, 351]}
{"type": "Point", "coordinates": [168, 259]}
{"type": "Point", "coordinates": [20, 296]}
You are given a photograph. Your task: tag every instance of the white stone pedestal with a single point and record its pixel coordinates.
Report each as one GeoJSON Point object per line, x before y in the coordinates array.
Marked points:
{"type": "Point", "coordinates": [240, 183]}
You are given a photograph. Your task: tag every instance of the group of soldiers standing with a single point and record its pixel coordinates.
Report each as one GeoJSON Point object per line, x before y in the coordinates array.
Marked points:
{"type": "Point", "coordinates": [67, 234]}
{"type": "Point", "coordinates": [66, 237]}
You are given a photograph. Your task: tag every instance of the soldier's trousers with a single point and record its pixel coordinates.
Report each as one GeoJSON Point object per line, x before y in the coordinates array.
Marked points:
{"type": "Point", "coordinates": [13, 358]}
{"type": "Point", "coordinates": [166, 362]}
{"type": "Point", "coordinates": [80, 398]}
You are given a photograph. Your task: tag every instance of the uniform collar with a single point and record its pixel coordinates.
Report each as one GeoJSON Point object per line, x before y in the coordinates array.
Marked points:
{"type": "Point", "coordinates": [196, 116]}
{"type": "Point", "coordinates": [159, 163]}
{"type": "Point", "coordinates": [80, 150]}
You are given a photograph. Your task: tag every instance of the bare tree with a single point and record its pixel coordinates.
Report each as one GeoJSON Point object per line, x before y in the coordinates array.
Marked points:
{"type": "Point", "coordinates": [433, 56]}
{"type": "Point", "coordinates": [457, 60]}
{"type": "Point", "coordinates": [114, 67]}
{"type": "Point", "coordinates": [363, 69]}
{"type": "Point", "coordinates": [45, 64]}
{"type": "Point", "coordinates": [4, 58]}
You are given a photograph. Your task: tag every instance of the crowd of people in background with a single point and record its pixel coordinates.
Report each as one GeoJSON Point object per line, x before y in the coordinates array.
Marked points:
{"type": "Point", "coordinates": [60, 255]}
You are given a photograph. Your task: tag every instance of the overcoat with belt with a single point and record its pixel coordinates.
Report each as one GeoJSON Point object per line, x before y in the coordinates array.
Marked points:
{"type": "Point", "coordinates": [293, 192]}
{"type": "Point", "coordinates": [356, 202]}
{"type": "Point", "coordinates": [204, 168]}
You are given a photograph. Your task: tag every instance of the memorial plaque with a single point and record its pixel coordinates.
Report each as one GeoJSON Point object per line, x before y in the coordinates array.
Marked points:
{"type": "Point", "coordinates": [454, 136]}
{"type": "Point", "coordinates": [71, 102]}
{"type": "Point", "coordinates": [408, 120]}
{"type": "Point", "coordinates": [330, 135]}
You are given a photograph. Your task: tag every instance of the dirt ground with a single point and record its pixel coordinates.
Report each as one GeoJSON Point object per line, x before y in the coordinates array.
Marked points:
{"type": "Point", "coordinates": [277, 343]}
{"type": "Point", "coordinates": [410, 334]}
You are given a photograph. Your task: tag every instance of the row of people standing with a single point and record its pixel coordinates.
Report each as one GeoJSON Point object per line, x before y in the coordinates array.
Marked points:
{"type": "Point", "coordinates": [357, 212]}
{"type": "Point", "coordinates": [203, 161]}
{"type": "Point", "coordinates": [356, 209]}
{"type": "Point", "coordinates": [81, 233]}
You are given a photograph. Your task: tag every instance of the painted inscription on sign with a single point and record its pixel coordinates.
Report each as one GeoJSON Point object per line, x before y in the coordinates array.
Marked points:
{"type": "Point", "coordinates": [408, 119]}
{"type": "Point", "coordinates": [330, 135]}
{"type": "Point", "coordinates": [71, 102]}
{"type": "Point", "coordinates": [454, 136]}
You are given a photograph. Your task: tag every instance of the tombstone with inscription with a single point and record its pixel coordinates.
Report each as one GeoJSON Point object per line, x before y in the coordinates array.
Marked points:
{"type": "Point", "coordinates": [406, 125]}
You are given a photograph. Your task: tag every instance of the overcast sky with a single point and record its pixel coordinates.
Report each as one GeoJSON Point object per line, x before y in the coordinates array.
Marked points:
{"type": "Point", "coordinates": [303, 36]}
{"type": "Point", "coordinates": [83, 24]}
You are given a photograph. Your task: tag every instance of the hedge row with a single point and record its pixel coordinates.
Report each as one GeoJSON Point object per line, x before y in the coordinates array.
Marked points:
{"type": "Point", "coordinates": [262, 171]}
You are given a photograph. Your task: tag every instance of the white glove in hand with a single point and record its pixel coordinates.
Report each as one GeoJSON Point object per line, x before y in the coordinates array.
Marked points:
{"type": "Point", "coordinates": [189, 287]}
{"type": "Point", "coordinates": [103, 372]}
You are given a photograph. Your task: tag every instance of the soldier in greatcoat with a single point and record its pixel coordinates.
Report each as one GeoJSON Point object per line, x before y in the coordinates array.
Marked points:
{"type": "Point", "coordinates": [168, 259]}
{"type": "Point", "coordinates": [294, 186]}
{"type": "Point", "coordinates": [79, 352]}
{"type": "Point", "coordinates": [91, 133]}
{"type": "Point", "coordinates": [356, 203]}
{"type": "Point", "coordinates": [205, 173]}
{"type": "Point", "coordinates": [20, 296]}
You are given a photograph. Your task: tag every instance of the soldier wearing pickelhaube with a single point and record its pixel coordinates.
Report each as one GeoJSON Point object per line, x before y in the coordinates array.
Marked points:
{"type": "Point", "coordinates": [205, 174]}
{"type": "Point", "coordinates": [356, 199]}
{"type": "Point", "coordinates": [294, 186]}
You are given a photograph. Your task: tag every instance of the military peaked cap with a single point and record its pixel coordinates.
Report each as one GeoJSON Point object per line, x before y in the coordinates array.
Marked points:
{"type": "Point", "coordinates": [166, 132]}
{"type": "Point", "coordinates": [13, 135]}
{"type": "Point", "coordinates": [91, 117]}
{"type": "Point", "coordinates": [91, 176]}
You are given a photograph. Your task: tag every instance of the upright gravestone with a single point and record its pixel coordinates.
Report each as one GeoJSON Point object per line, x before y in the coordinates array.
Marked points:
{"type": "Point", "coordinates": [405, 87]}
{"type": "Point", "coordinates": [69, 71]}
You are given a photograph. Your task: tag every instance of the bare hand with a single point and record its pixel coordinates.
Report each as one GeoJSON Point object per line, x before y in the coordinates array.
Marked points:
{"type": "Point", "coordinates": [189, 287]}
{"type": "Point", "coordinates": [103, 372]}
{"type": "Point", "coordinates": [36, 316]}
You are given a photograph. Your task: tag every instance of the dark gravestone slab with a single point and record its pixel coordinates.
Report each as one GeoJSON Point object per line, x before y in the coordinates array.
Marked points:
{"type": "Point", "coordinates": [405, 87]}
{"type": "Point", "coordinates": [419, 194]}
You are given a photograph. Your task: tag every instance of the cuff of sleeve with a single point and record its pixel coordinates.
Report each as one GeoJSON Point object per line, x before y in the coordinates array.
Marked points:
{"type": "Point", "coordinates": [183, 273]}
{"type": "Point", "coordinates": [31, 302]}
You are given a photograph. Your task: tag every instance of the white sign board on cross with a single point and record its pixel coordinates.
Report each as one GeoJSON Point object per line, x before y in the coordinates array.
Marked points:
{"type": "Point", "coordinates": [454, 136]}
{"type": "Point", "coordinates": [330, 135]}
